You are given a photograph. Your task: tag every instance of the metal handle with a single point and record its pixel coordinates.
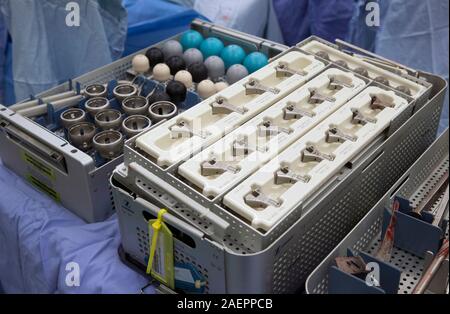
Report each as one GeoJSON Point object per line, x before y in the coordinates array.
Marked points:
{"type": "Point", "coordinates": [36, 147]}
{"type": "Point", "coordinates": [377, 60]}
{"type": "Point", "coordinates": [219, 225]}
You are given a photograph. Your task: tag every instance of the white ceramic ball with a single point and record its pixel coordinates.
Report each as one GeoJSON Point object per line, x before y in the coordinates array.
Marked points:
{"type": "Point", "coordinates": [161, 72]}
{"type": "Point", "coordinates": [221, 86]}
{"type": "Point", "coordinates": [184, 77]}
{"type": "Point", "coordinates": [140, 64]}
{"type": "Point", "coordinates": [206, 88]}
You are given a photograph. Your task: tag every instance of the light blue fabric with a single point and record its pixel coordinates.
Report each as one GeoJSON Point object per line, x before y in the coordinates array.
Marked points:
{"type": "Point", "coordinates": [412, 32]}
{"type": "Point", "coordinates": [2, 54]}
{"type": "Point", "coordinates": [47, 52]}
{"type": "Point", "coordinates": [256, 17]}
{"type": "Point", "coordinates": [300, 19]}
{"type": "Point", "coordinates": [151, 21]}
{"type": "Point", "coordinates": [38, 238]}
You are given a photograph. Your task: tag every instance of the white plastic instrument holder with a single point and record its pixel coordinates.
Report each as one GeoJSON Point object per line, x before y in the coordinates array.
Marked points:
{"type": "Point", "coordinates": [203, 124]}
{"type": "Point", "coordinates": [372, 71]}
{"type": "Point", "coordinates": [288, 180]}
{"type": "Point", "coordinates": [222, 165]}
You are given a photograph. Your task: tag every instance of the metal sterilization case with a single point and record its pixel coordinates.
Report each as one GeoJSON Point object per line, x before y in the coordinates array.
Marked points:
{"type": "Point", "coordinates": [366, 236]}
{"type": "Point", "coordinates": [68, 175]}
{"type": "Point", "coordinates": [237, 258]}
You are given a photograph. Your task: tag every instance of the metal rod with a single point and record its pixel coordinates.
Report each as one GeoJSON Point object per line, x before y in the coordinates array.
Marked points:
{"type": "Point", "coordinates": [35, 102]}
{"type": "Point", "coordinates": [58, 104]}
{"type": "Point", "coordinates": [432, 196]}
{"type": "Point", "coordinates": [428, 275]}
{"type": "Point", "coordinates": [442, 206]}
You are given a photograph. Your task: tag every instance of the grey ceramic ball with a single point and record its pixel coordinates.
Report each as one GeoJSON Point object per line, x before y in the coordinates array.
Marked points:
{"type": "Point", "coordinates": [172, 48]}
{"type": "Point", "coordinates": [216, 67]}
{"type": "Point", "coordinates": [235, 73]}
{"type": "Point", "coordinates": [192, 55]}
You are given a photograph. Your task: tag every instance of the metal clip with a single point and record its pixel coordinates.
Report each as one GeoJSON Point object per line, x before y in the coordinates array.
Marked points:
{"type": "Point", "coordinates": [317, 98]}
{"type": "Point", "coordinates": [283, 70]}
{"type": "Point", "coordinates": [334, 134]}
{"type": "Point", "coordinates": [285, 175]}
{"type": "Point", "coordinates": [253, 86]}
{"type": "Point", "coordinates": [293, 112]}
{"type": "Point", "coordinates": [181, 130]}
{"type": "Point", "coordinates": [359, 118]}
{"type": "Point", "coordinates": [242, 148]}
{"type": "Point", "coordinates": [312, 153]}
{"type": "Point", "coordinates": [268, 129]}
{"type": "Point", "coordinates": [222, 106]}
{"type": "Point", "coordinates": [338, 84]}
{"type": "Point", "coordinates": [257, 199]}
{"type": "Point", "coordinates": [213, 167]}
{"type": "Point", "coordinates": [377, 103]}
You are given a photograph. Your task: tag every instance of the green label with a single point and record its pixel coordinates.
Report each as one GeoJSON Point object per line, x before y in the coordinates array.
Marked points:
{"type": "Point", "coordinates": [38, 165]}
{"type": "Point", "coordinates": [43, 187]}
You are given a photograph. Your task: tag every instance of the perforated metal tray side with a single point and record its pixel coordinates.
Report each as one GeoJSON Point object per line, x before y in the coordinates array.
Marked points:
{"type": "Point", "coordinates": [367, 233]}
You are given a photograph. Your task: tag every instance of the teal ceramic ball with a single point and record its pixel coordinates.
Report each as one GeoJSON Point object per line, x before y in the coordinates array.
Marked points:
{"type": "Point", "coordinates": [255, 61]}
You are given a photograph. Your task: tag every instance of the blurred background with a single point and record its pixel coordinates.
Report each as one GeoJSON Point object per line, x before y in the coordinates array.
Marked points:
{"type": "Point", "coordinates": [36, 55]}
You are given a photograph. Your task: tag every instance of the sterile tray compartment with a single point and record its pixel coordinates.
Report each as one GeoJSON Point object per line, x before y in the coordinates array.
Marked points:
{"type": "Point", "coordinates": [366, 236]}
{"type": "Point", "coordinates": [217, 115]}
{"type": "Point", "coordinates": [371, 66]}
{"type": "Point", "coordinates": [54, 166]}
{"type": "Point", "coordinates": [281, 260]}
{"type": "Point", "coordinates": [246, 149]}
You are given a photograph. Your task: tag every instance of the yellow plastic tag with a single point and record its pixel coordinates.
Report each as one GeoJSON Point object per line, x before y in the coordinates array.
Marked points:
{"type": "Point", "coordinates": [160, 263]}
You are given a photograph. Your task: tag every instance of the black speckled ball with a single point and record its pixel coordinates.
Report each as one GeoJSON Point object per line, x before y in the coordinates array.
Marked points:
{"type": "Point", "coordinates": [177, 91]}
{"type": "Point", "coordinates": [154, 56]}
{"type": "Point", "coordinates": [199, 72]}
{"type": "Point", "coordinates": [175, 64]}
{"type": "Point", "coordinates": [158, 96]}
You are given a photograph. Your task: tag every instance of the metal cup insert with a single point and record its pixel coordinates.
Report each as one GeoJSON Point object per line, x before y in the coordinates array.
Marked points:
{"type": "Point", "coordinates": [123, 91]}
{"type": "Point", "coordinates": [72, 116]}
{"type": "Point", "coordinates": [109, 119]}
{"type": "Point", "coordinates": [162, 110]}
{"type": "Point", "coordinates": [95, 90]}
{"type": "Point", "coordinates": [109, 143]}
{"type": "Point", "coordinates": [81, 135]}
{"type": "Point", "coordinates": [135, 105]}
{"type": "Point", "coordinates": [134, 125]}
{"type": "Point", "coordinates": [96, 104]}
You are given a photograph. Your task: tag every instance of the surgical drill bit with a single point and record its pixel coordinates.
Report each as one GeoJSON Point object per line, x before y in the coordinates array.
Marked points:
{"type": "Point", "coordinates": [283, 70]}
{"type": "Point", "coordinates": [182, 129]}
{"type": "Point", "coordinates": [285, 175]}
{"type": "Point", "coordinates": [317, 98]}
{"type": "Point", "coordinates": [253, 86]}
{"type": "Point", "coordinates": [359, 118]}
{"type": "Point", "coordinates": [213, 167]}
{"type": "Point", "coordinates": [257, 199]}
{"type": "Point", "coordinates": [293, 112]}
{"type": "Point", "coordinates": [222, 106]}
{"type": "Point", "coordinates": [335, 83]}
{"type": "Point", "coordinates": [312, 153]}
{"type": "Point", "coordinates": [334, 134]}
{"type": "Point", "coordinates": [268, 129]}
{"type": "Point", "coordinates": [377, 103]}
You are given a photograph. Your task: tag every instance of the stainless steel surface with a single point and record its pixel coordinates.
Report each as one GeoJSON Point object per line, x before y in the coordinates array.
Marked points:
{"type": "Point", "coordinates": [92, 199]}
{"type": "Point", "coordinates": [109, 119]}
{"type": "Point", "coordinates": [281, 259]}
{"type": "Point", "coordinates": [133, 125]}
{"type": "Point", "coordinates": [414, 184]}
{"type": "Point", "coordinates": [162, 110]}
{"type": "Point", "coordinates": [72, 116]}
